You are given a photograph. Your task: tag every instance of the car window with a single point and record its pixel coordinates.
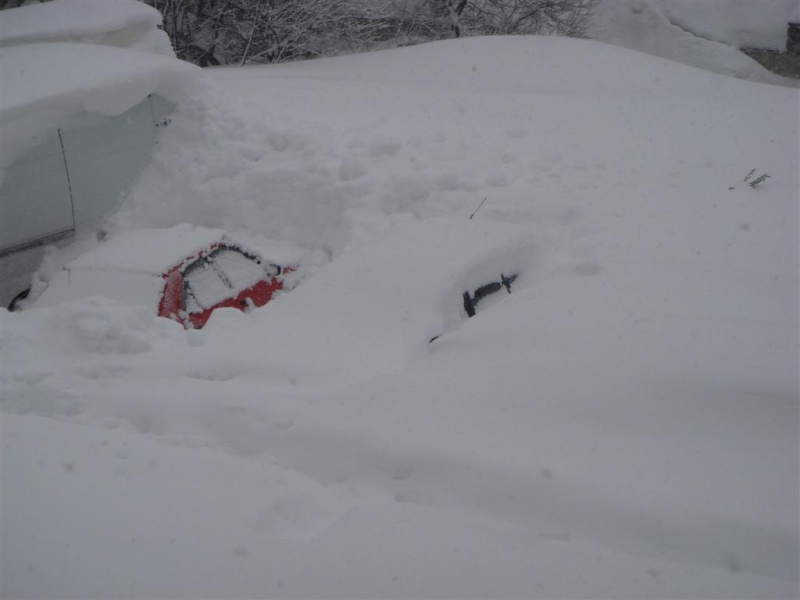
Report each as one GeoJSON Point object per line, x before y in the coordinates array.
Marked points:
{"type": "Point", "coordinates": [203, 287]}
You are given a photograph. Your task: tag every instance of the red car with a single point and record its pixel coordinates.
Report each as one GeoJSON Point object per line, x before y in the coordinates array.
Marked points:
{"type": "Point", "coordinates": [218, 276]}
{"type": "Point", "coordinates": [207, 271]}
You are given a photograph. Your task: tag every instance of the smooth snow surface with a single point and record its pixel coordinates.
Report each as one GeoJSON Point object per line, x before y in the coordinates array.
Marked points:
{"type": "Point", "coordinates": [624, 424]}
{"type": "Point", "coordinates": [123, 23]}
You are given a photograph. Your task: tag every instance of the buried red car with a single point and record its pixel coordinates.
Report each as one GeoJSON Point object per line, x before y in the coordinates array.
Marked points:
{"type": "Point", "coordinates": [220, 275]}
{"type": "Point", "coordinates": [182, 273]}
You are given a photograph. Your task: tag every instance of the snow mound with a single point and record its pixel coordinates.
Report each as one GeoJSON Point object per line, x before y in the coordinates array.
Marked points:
{"type": "Point", "coordinates": [385, 300]}
{"type": "Point", "coordinates": [122, 23]}
{"type": "Point", "coordinates": [225, 164]}
{"type": "Point", "coordinates": [530, 64]}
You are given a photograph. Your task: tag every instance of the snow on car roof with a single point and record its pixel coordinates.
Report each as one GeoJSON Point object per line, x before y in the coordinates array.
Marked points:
{"type": "Point", "coordinates": [151, 251]}
{"type": "Point", "coordinates": [81, 78]}
{"type": "Point", "coordinates": [72, 20]}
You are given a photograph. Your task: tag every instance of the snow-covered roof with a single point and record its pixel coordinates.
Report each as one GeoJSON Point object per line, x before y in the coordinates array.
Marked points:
{"type": "Point", "coordinates": [740, 23]}
{"type": "Point", "coordinates": [43, 86]}
{"type": "Point", "coordinates": [115, 23]}
{"type": "Point", "coordinates": [706, 35]}
{"type": "Point", "coordinates": [82, 77]}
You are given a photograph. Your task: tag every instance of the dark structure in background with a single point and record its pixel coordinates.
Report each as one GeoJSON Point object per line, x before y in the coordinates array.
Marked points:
{"type": "Point", "coordinates": [785, 63]}
{"type": "Point", "coordinates": [793, 39]}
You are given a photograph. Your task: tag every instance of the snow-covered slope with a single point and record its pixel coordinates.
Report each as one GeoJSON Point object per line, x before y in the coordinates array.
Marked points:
{"type": "Point", "coordinates": [623, 424]}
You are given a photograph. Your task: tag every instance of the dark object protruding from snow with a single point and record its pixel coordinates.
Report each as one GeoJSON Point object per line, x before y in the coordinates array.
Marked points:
{"type": "Point", "coordinates": [17, 301]}
{"type": "Point", "coordinates": [479, 207]}
{"type": "Point", "coordinates": [793, 39]}
{"type": "Point", "coordinates": [757, 180]}
{"type": "Point", "coordinates": [471, 301]}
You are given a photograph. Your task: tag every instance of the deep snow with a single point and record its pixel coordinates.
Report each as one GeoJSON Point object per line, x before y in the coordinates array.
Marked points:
{"type": "Point", "coordinates": [624, 424]}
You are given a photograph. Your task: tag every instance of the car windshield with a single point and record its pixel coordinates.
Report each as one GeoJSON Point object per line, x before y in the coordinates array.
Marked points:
{"type": "Point", "coordinates": [219, 276]}
{"type": "Point", "coordinates": [240, 270]}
